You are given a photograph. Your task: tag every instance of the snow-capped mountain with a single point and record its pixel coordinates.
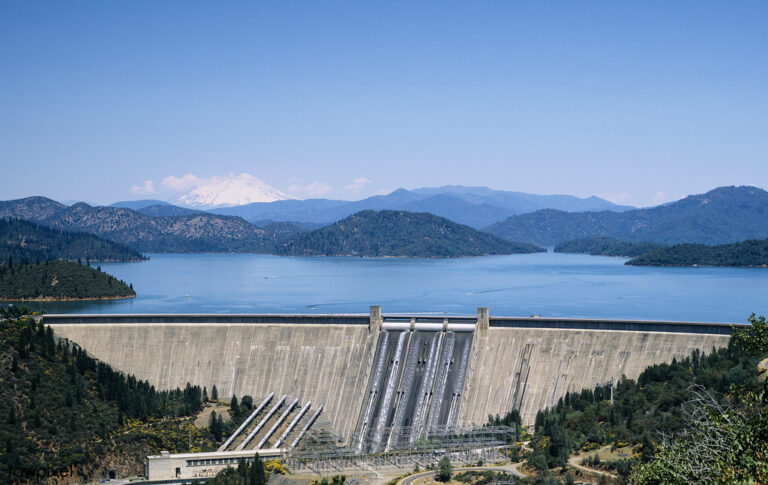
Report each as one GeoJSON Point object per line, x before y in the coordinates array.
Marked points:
{"type": "Point", "coordinates": [229, 191]}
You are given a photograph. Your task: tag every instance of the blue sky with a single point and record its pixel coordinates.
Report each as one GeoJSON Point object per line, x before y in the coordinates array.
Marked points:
{"type": "Point", "coordinates": [640, 102]}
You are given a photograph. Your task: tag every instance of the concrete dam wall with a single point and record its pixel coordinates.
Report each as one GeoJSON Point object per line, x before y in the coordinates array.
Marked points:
{"type": "Point", "coordinates": [528, 364]}
{"type": "Point", "coordinates": [375, 373]}
{"type": "Point", "coordinates": [317, 360]}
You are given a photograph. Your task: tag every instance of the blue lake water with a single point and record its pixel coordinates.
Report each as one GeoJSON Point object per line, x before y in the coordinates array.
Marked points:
{"type": "Point", "coordinates": [551, 285]}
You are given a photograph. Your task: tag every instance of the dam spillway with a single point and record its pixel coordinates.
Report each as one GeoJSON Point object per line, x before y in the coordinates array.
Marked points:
{"type": "Point", "coordinates": [375, 373]}
{"type": "Point", "coordinates": [416, 384]}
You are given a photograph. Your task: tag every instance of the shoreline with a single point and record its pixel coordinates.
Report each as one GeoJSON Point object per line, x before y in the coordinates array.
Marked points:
{"type": "Point", "coordinates": [67, 298]}
{"type": "Point", "coordinates": [756, 266]}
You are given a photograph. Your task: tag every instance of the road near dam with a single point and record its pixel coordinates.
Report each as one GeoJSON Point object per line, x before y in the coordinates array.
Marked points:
{"type": "Point", "coordinates": [388, 378]}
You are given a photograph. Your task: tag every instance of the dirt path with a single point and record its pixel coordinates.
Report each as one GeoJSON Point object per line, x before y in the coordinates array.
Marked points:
{"type": "Point", "coordinates": [505, 468]}
{"type": "Point", "coordinates": [574, 461]}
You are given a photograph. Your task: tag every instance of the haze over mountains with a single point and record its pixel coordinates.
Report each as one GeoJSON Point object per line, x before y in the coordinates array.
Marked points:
{"type": "Point", "coordinates": [474, 206]}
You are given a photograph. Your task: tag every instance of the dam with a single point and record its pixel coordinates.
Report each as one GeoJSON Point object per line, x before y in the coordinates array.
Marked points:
{"type": "Point", "coordinates": [383, 381]}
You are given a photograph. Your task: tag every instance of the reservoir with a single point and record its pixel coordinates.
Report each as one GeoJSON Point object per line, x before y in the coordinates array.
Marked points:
{"type": "Point", "coordinates": [546, 284]}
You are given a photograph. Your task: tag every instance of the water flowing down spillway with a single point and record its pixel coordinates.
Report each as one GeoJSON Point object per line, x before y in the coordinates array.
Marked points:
{"type": "Point", "coordinates": [374, 387]}
{"type": "Point", "coordinates": [415, 386]}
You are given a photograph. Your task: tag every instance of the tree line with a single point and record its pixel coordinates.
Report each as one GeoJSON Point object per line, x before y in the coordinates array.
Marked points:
{"type": "Point", "coordinates": [60, 407]}
{"type": "Point", "coordinates": [661, 413]}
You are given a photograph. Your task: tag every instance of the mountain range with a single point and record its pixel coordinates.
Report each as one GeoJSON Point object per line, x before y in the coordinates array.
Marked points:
{"type": "Point", "coordinates": [368, 233]}
{"type": "Point", "coordinates": [723, 215]}
{"type": "Point", "coordinates": [473, 206]}
{"type": "Point", "coordinates": [720, 216]}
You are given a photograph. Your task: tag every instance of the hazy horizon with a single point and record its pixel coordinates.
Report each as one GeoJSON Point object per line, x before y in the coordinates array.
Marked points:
{"type": "Point", "coordinates": [170, 200]}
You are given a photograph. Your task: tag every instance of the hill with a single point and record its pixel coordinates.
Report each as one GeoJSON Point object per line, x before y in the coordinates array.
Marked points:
{"type": "Point", "coordinates": [723, 215]}
{"type": "Point", "coordinates": [398, 234]}
{"type": "Point", "coordinates": [606, 246]}
{"type": "Point", "coordinates": [61, 408]}
{"type": "Point", "coordinates": [474, 206]}
{"type": "Point", "coordinates": [191, 233]}
{"type": "Point", "coordinates": [750, 253]}
{"type": "Point", "coordinates": [59, 281]}
{"type": "Point", "coordinates": [30, 208]}
{"type": "Point", "coordinates": [27, 241]}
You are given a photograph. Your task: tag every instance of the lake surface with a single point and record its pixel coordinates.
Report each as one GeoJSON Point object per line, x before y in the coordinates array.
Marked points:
{"type": "Point", "coordinates": [551, 285]}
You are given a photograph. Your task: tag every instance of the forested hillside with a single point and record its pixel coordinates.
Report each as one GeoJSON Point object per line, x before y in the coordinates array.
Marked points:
{"type": "Point", "coordinates": [26, 241]}
{"type": "Point", "coordinates": [752, 253]}
{"type": "Point", "coordinates": [59, 281]}
{"type": "Point", "coordinates": [60, 408]}
{"type": "Point", "coordinates": [398, 234]}
{"type": "Point", "coordinates": [723, 215]}
{"type": "Point", "coordinates": [607, 246]}
{"type": "Point", "coordinates": [716, 392]}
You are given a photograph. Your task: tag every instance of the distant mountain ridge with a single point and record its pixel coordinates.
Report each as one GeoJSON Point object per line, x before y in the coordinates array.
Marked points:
{"type": "Point", "coordinates": [137, 204]}
{"type": "Point", "coordinates": [473, 206]}
{"type": "Point", "coordinates": [399, 234]}
{"type": "Point", "coordinates": [723, 215]}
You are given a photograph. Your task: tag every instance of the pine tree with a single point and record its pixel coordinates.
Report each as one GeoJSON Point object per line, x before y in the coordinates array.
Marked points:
{"type": "Point", "coordinates": [213, 426]}
{"type": "Point", "coordinates": [214, 393]}
{"type": "Point", "coordinates": [444, 469]}
{"type": "Point", "coordinates": [260, 475]}
{"type": "Point", "coordinates": [234, 407]}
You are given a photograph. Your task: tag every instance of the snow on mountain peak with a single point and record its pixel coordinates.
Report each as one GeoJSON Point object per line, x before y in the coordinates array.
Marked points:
{"type": "Point", "coordinates": [228, 191]}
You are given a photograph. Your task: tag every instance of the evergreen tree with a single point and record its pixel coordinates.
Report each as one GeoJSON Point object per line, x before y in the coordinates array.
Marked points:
{"type": "Point", "coordinates": [648, 452]}
{"type": "Point", "coordinates": [214, 426]}
{"type": "Point", "coordinates": [444, 469]}
{"type": "Point", "coordinates": [234, 407]}
{"type": "Point", "coordinates": [214, 393]}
